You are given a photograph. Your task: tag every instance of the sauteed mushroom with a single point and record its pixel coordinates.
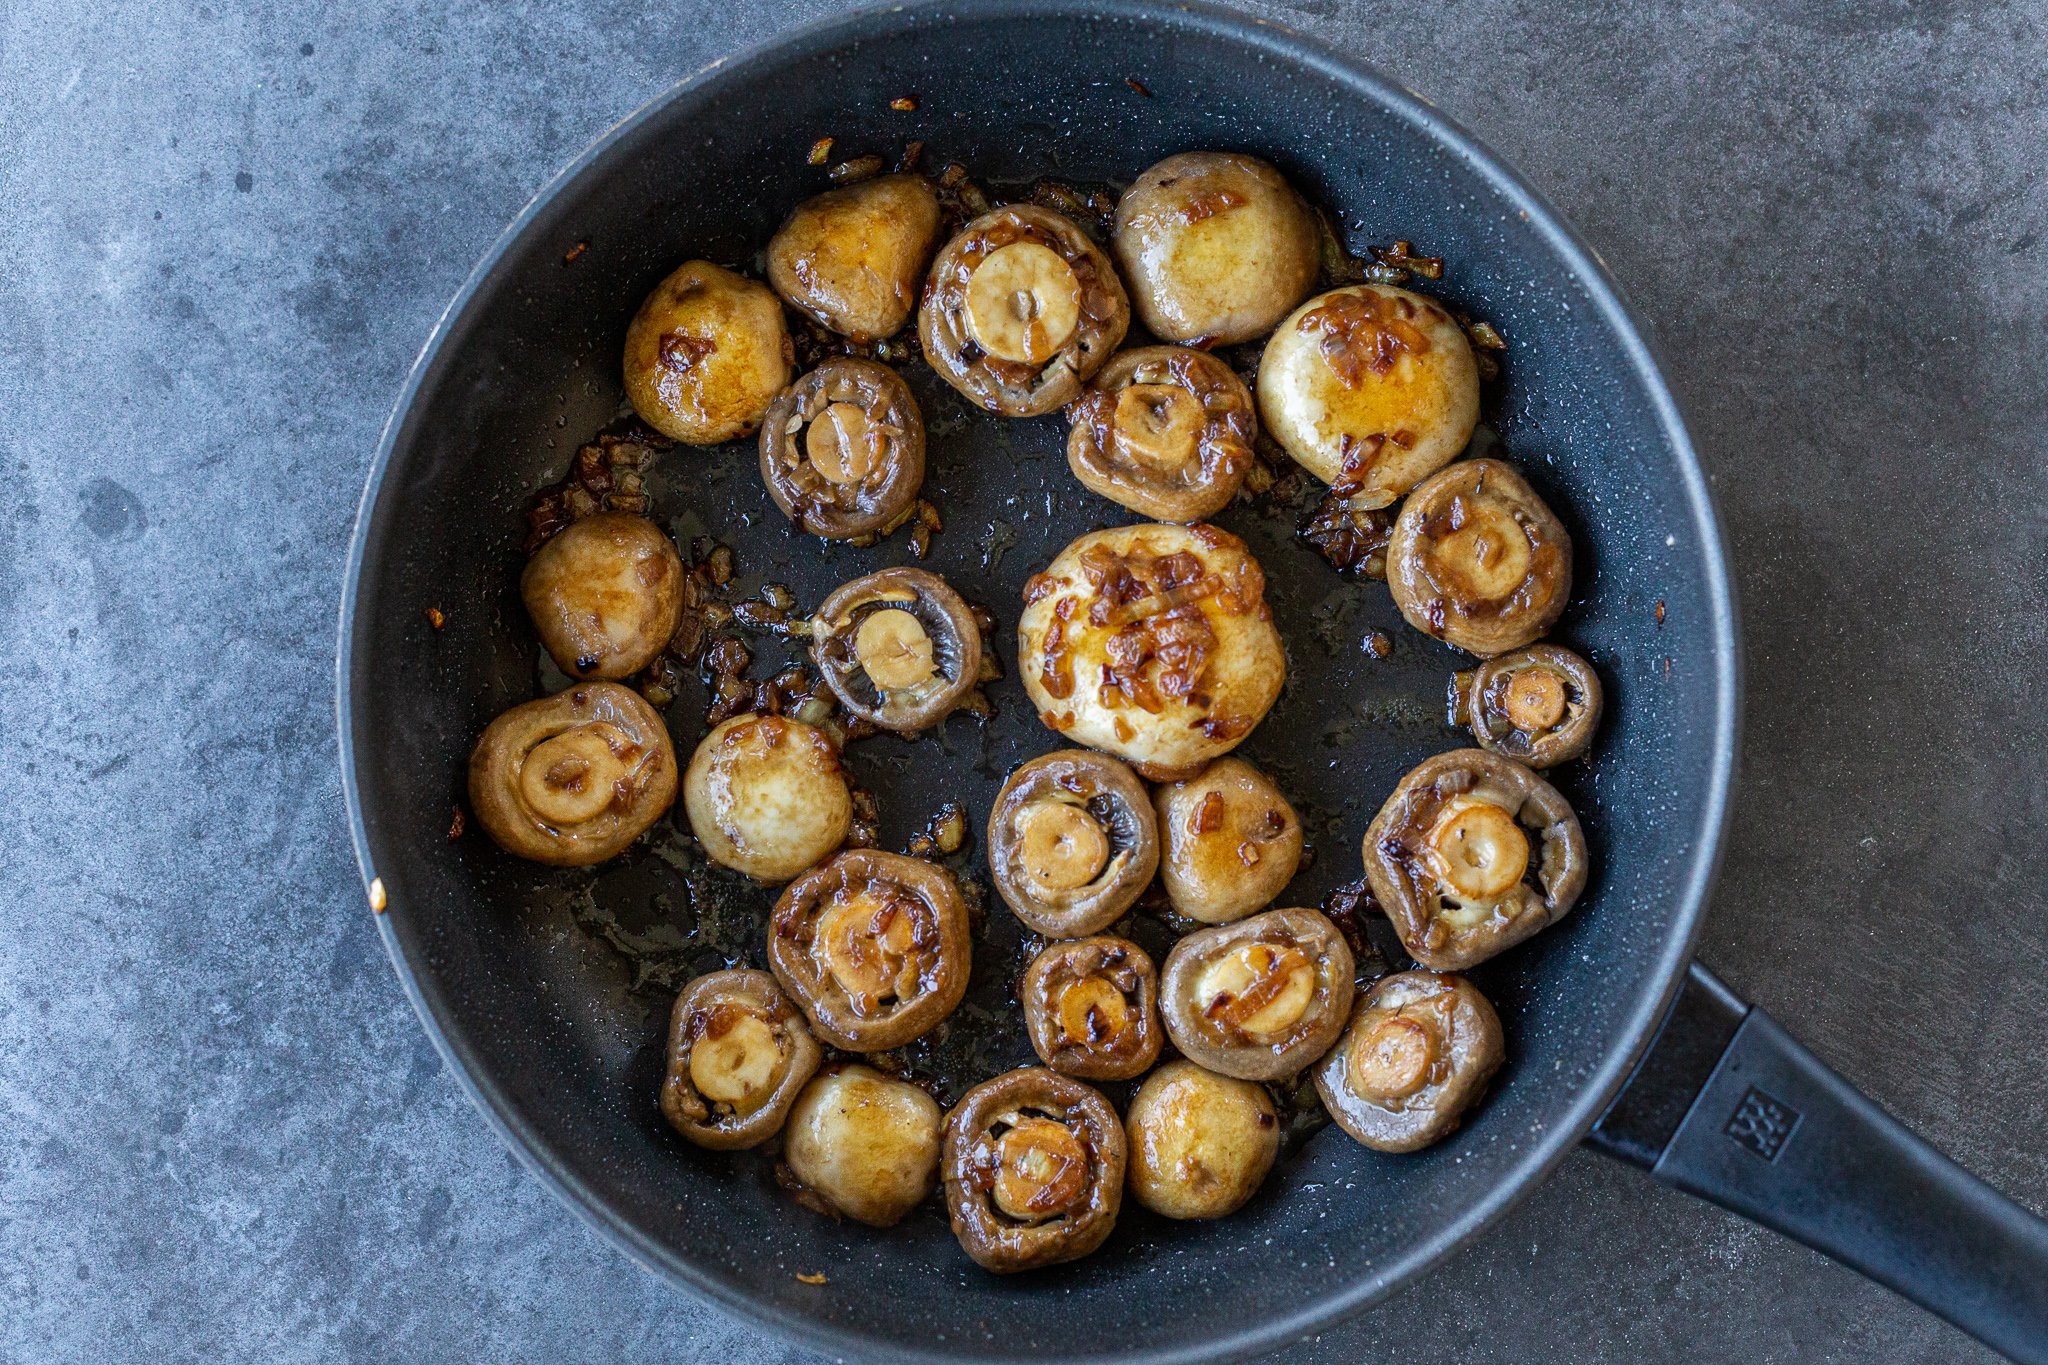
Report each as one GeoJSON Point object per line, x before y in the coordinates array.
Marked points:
{"type": "Point", "coordinates": [1164, 431]}
{"type": "Point", "coordinates": [1152, 642]}
{"type": "Point", "coordinates": [1230, 843]}
{"type": "Point", "coordinates": [1371, 388]}
{"type": "Point", "coordinates": [1034, 1170]}
{"type": "Point", "coordinates": [867, 1145]}
{"type": "Point", "coordinates": [1478, 561]}
{"type": "Point", "coordinates": [853, 258]}
{"type": "Point", "coordinates": [1260, 999]}
{"type": "Point", "coordinates": [842, 449]}
{"type": "Point", "coordinates": [1418, 1053]}
{"type": "Point", "coordinates": [738, 1053]}
{"type": "Point", "coordinates": [1449, 858]}
{"type": "Point", "coordinates": [605, 594]}
{"type": "Point", "coordinates": [1200, 1143]}
{"type": "Point", "coordinates": [873, 946]}
{"type": "Point", "coordinates": [574, 778]}
{"type": "Point", "coordinates": [1217, 247]}
{"type": "Point", "coordinates": [706, 354]}
{"type": "Point", "coordinates": [1020, 309]}
{"type": "Point", "coordinates": [1538, 705]}
{"type": "Point", "coordinates": [1091, 1007]}
{"type": "Point", "coordinates": [765, 796]}
{"type": "Point", "coordinates": [898, 647]}
{"type": "Point", "coordinates": [1071, 842]}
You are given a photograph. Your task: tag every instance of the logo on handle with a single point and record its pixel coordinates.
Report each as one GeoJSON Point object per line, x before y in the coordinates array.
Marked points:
{"type": "Point", "coordinates": [1762, 1125]}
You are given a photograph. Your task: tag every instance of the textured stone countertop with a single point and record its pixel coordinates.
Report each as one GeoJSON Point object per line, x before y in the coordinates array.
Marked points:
{"type": "Point", "coordinates": [225, 230]}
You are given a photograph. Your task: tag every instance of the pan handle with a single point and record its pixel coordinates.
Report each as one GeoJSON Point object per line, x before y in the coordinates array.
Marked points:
{"type": "Point", "coordinates": [1728, 1106]}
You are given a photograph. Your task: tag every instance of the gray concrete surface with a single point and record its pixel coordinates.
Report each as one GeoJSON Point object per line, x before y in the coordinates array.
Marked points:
{"type": "Point", "coordinates": [224, 231]}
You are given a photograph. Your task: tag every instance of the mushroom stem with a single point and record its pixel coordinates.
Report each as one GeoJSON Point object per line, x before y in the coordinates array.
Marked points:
{"type": "Point", "coordinates": [1063, 847]}
{"type": "Point", "coordinates": [1477, 849]}
{"type": "Point", "coordinates": [894, 650]}
{"type": "Point", "coordinates": [1536, 700]}
{"type": "Point", "coordinates": [1023, 303]}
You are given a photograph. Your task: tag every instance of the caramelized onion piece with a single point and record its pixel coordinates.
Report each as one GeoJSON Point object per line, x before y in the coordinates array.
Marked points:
{"type": "Point", "coordinates": [1165, 431]}
{"type": "Point", "coordinates": [706, 354]}
{"type": "Point", "coordinates": [842, 449]}
{"type": "Point", "coordinates": [1071, 842]}
{"type": "Point", "coordinates": [1034, 1170]}
{"type": "Point", "coordinates": [738, 1053]}
{"type": "Point", "coordinates": [574, 778]}
{"type": "Point", "coordinates": [1200, 1143]}
{"type": "Point", "coordinates": [1478, 560]}
{"type": "Point", "coordinates": [1260, 999]}
{"type": "Point", "coordinates": [1416, 1056]}
{"type": "Point", "coordinates": [1091, 1007]}
{"type": "Point", "coordinates": [899, 648]}
{"type": "Point", "coordinates": [1539, 705]}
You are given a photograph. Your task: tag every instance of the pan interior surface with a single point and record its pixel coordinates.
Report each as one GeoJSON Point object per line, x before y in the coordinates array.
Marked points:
{"type": "Point", "coordinates": [548, 990]}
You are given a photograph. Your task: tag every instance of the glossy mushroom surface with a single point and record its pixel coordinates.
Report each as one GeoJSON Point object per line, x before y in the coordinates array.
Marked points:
{"type": "Point", "coordinates": [1153, 643]}
{"type": "Point", "coordinates": [1371, 389]}
{"type": "Point", "coordinates": [1472, 854]}
{"type": "Point", "coordinates": [1260, 999]}
{"type": "Point", "coordinates": [706, 354]}
{"type": "Point", "coordinates": [1020, 310]}
{"type": "Point", "coordinates": [1034, 1170]}
{"type": "Point", "coordinates": [574, 778]}
{"type": "Point", "coordinates": [1539, 705]}
{"type": "Point", "coordinates": [605, 594]}
{"type": "Point", "coordinates": [854, 258]}
{"type": "Point", "coordinates": [1072, 842]}
{"type": "Point", "coordinates": [863, 1144]}
{"type": "Point", "coordinates": [1165, 431]}
{"type": "Point", "coordinates": [738, 1053]}
{"type": "Point", "coordinates": [1091, 1007]}
{"type": "Point", "coordinates": [1200, 1143]}
{"type": "Point", "coordinates": [766, 796]}
{"type": "Point", "coordinates": [1417, 1055]}
{"type": "Point", "coordinates": [872, 946]}
{"type": "Point", "coordinates": [1229, 842]}
{"type": "Point", "coordinates": [1217, 247]}
{"type": "Point", "coordinates": [1478, 560]}
{"type": "Point", "coordinates": [842, 449]}
{"type": "Point", "coordinates": [899, 648]}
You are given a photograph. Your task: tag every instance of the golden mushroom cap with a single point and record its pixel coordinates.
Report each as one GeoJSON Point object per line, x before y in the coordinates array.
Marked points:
{"type": "Point", "coordinates": [706, 354]}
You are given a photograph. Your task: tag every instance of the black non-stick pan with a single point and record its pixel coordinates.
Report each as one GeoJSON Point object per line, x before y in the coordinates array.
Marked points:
{"type": "Point", "coordinates": [547, 990]}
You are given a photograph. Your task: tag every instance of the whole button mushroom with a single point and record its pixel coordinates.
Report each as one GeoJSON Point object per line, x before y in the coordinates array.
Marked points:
{"type": "Point", "coordinates": [853, 258]}
{"type": "Point", "coordinates": [1153, 643]}
{"type": "Point", "coordinates": [865, 1145]}
{"type": "Point", "coordinates": [1200, 1143]}
{"type": "Point", "coordinates": [1229, 842]}
{"type": "Point", "coordinates": [1071, 842]}
{"type": "Point", "coordinates": [1417, 1055]}
{"type": "Point", "coordinates": [706, 354]}
{"type": "Point", "coordinates": [766, 796]}
{"type": "Point", "coordinates": [1020, 310]}
{"type": "Point", "coordinates": [899, 648]}
{"type": "Point", "coordinates": [1478, 560]}
{"type": "Point", "coordinates": [1164, 431]}
{"type": "Point", "coordinates": [873, 947]}
{"type": "Point", "coordinates": [1260, 999]}
{"type": "Point", "coordinates": [1217, 247]}
{"type": "Point", "coordinates": [1091, 1007]}
{"type": "Point", "coordinates": [1540, 705]}
{"type": "Point", "coordinates": [574, 778]}
{"type": "Point", "coordinates": [1371, 389]}
{"type": "Point", "coordinates": [738, 1053]}
{"type": "Point", "coordinates": [1034, 1170]}
{"type": "Point", "coordinates": [842, 449]}
{"type": "Point", "coordinates": [1472, 854]}
{"type": "Point", "coordinates": [605, 594]}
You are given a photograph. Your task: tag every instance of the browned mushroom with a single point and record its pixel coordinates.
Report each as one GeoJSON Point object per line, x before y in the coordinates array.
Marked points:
{"type": "Point", "coordinates": [842, 449]}
{"type": "Point", "coordinates": [899, 648]}
{"type": "Point", "coordinates": [1071, 842]}
{"type": "Point", "coordinates": [1164, 431]}
{"type": "Point", "coordinates": [766, 796]}
{"type": "Point", "coordinates": [1418, 1053]}
{"type": "Point", "coordinates": [738, 1053]}
{"type": "Point", "coordinates": [706, 354]}
{"type": "Point", "coordinates": [1260, 999]}
{"type": "Point", "coordinates": [1449, 858]}
{"type": "Point", "coordinates": [864, 1145]}
{"type": "Point", "coordinates": [853, 258]}
{"type": "Point", "coordinates": [1539, 705]}
{"type": "Point", "coordinates": [873, 946]}
{"type": "Point", "coordinates": [605, 594]}
{"type": "Point", "coordinates": [1478, 560]}
{"type": "Point", "coordinates": [1229, 842]}
{"type": "Point", "coordinates": [1034, 1170]}
{"type": "Point", "coordinates": [574, 778]}
{"type": "Point", "coordinates": [1091, 1007]}
{"type": "Point", "coordinates": [1200, 1142]}
{"type": "Point", "coordinates": [1020, 310]}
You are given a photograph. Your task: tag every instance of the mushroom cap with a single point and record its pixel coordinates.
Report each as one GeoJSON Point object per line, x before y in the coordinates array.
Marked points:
{"type": "Point", "coordinates": [706, 354]}
{"type": "Point", "coordinates": [1200, 1142]}
{"type": "Point", "coordinates": [1165, 431]}
{"type": "Point", "coordinates": [738, 1053]}
{"type": "Point", "coordinates": [1371, 389]}
{"type": "Point", "coordinates": [1091, 1007]}
{"type": "Point", "coordinates": [1441, 821]}
{"type": "Point", "coordinates": [1260, 999]}
{"type": "Point", "coordinates": [1152, 642]}
{"type": "Point", "coordinates": [1071, 1172]}
{"type": "Point", "coordinates": [941, 632]}
{"type": "Point", "coordinates": [1416, 1055]}
{"type": "Point", "coordinates": [866, 1144]}
{"type": "Point", "coordinates": [1229, 841]}
{"type": "Point", "coordinates": [574, 778]}
{"type": "Point", "coordinates": [867, 466]}
{"type": "Point", "coordinates": [605, 594]}
{"type": "Point", "coordinates": [854, 258]}
{"type": "Point", "coordinates": [766, 796]}
{"type": "Point", "coordinates": [1071, 842]}
{"type": "Point", "coordinates": [1477, 560]}
{"type": "Point", "coordinates": [1217, 247]}
{"type": "Point", "coordinates": [1538, 705]}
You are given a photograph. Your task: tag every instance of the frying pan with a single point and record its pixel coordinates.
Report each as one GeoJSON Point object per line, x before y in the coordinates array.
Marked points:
{"type": "Point", "coordinates": [547, 990]}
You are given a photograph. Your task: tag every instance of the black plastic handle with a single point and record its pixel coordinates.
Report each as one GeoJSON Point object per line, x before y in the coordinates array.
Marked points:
{"type": "Point", "coordinates": [1728, 1106]}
